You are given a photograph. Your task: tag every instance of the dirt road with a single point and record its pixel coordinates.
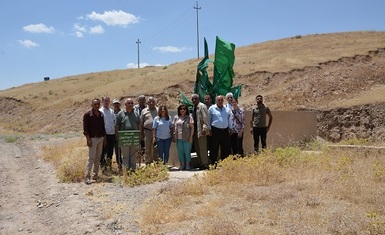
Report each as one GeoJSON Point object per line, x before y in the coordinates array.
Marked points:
{"type": "Point", "coordinates": [32, 201]}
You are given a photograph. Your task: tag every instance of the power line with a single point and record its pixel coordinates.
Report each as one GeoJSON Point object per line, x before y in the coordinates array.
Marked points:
{"type": "Point", "coordinates": [138, 42]}
{"type": "Point", "coordinates": [197, 8]}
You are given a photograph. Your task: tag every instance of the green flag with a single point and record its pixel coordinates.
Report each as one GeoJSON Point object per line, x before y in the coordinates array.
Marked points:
{"type": "Point", "coordinates": [223, 73]}
{"type": "Point", "coordinates": [223, 66]}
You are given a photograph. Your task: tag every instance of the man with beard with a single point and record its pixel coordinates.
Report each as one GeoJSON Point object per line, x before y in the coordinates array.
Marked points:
{"type": "Point", "coordinates": [258, 123]}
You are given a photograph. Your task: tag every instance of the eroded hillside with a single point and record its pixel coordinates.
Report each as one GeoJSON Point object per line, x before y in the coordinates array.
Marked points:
{"type": "Point", "coordinates": [347, 91]}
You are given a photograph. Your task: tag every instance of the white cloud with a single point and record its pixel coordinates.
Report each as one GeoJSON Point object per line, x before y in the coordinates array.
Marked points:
{"type": "Point", "coordinates": [142, 65]}
{"type": "Point", "coordinates": [28, 43]}
{"type": "Point", "coordinates": [132, 65]}
{"type": "Point", "coordinates": [78, 27]}
{"type": "Point", "coordinates": [79, 34]}
{"type": "Point", "coordinates": [96, 30]}
{"type": "Point", "coordinates": [170, 49]}
{"type": "Point", "coordinates": [39, 28]}
{"type": "Point", "coordinates": [113, 18]}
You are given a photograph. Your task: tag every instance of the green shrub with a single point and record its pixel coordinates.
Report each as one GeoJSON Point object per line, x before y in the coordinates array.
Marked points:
{"type": "Point", "coordinates": [154, 172]}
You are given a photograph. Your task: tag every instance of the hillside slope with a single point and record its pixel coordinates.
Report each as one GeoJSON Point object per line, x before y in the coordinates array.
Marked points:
{"type": "Point", "coordinates": [330, 73]}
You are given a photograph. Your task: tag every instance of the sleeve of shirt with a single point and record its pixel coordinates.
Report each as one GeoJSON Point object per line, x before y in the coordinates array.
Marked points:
{"type": "Point", "coordinates": [113, 116]}
{"type": "Point", "coordinates": [209, 117]}
{"type": "Point", "coordinates": [155, 123]}
{"type": "Point", "coordinates": [206, 118]}
{"type": "Point", "coordinates": [139, 120]}
{"type": "Point", "coordinates": [103, 127]}
{"type": "Point", "coordinates": [191, 119]}
{"type": "Point", "coordinates": [118, 119]}
{"type": "Point", "coordinates": [229, 119]}
{"type": "Point", "coordinates": [85, 124]}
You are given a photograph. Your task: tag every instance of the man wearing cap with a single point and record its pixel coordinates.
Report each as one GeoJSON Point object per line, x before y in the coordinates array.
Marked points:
{"type": "Point", "coordinates": [147, 118]}
{"type": "Point", "coordinates": [109, 124]}
{"type": "Point", "coordinates": [116, 104]}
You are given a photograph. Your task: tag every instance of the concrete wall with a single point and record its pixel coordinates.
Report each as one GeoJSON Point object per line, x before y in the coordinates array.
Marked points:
{"type": "Point", "coordinates": [287, 127]}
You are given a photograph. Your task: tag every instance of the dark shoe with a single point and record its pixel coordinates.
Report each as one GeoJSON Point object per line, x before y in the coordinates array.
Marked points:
{"type": "Point", "coordinates": [182, 167]}
{"type": "Point", "coordinates": [87, 181]}
{"type": "Point", "coordinates": [187, 167]}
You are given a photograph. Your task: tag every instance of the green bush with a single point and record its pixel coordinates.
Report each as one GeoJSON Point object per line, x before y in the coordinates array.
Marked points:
{"type": "Point", "coordinates": [154, 172]}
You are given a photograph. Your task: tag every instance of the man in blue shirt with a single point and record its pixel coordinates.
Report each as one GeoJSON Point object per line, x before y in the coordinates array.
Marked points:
{"type": "Point", "coordinates": [221, 127]}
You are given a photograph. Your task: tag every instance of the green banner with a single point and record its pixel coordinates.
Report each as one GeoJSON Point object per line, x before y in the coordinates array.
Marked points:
{"type": "Point", "coordinates": [129, 138]}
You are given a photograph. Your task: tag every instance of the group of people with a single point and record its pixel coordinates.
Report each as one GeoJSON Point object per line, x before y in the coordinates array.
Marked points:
{"type": "Point", "coordinates": [206, 128]}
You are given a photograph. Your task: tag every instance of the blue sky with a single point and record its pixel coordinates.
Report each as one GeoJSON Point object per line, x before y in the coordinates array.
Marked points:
{"type": "Point", "coordinates": [59, 38]}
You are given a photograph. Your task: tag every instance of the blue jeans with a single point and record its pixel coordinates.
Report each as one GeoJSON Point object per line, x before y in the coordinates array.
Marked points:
{"type": "Point", "coordinates": [183, 148]}
{"type": "Point", "coordinates": [164, 149]}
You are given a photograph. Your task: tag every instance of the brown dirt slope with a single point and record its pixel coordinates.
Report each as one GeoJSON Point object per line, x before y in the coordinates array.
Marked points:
{"type": "Point", "coordinates": [340, 75]}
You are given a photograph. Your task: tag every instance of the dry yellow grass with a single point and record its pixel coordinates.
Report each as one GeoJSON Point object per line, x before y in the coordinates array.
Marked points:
{"type": "Point", "coordinates": [70, 156]}
{"type": "Point", "coordinates": [273, 56]}
{"type": "Point", "coordinates": [69, 159]}
{"type": "Point", "coordinates": [65, 100]}
{"type": "Point", "coordinates": [281, 192]}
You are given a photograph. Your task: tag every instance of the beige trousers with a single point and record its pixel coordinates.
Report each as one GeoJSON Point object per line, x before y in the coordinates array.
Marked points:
{"type": "Point", "coordinates": [151, 153]}
{"type": "Point", "coordinates": [200, 144]}
{"type": "Point", "coordinates": [94, 154]}
{"type": "Point", "coordinates": [129, 154]}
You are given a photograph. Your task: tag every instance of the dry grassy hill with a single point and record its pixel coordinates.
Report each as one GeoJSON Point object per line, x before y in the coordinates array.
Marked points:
{"type": "Point", "coordinates": [340, 75]}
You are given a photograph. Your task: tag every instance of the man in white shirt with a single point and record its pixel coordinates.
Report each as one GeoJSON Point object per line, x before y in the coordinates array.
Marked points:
{"type": "Point", "coordinates": [221, 127]}
{"type": "Point", "coordinates": [109, 125]}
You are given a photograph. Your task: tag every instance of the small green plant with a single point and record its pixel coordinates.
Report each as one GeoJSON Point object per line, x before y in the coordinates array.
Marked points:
{"type": "Point", "coordinates": [379, 170]}
{"type": "Point", "coordinates": [288, 155]}
{"type": "Point", "coordinates": [11, 138]}
{"type": "Point", "coordinates": [355, 141]}
{"type": "Point", "coordinates": [376, 224]}
{"type": "Point", "coordinates": [154, 172]}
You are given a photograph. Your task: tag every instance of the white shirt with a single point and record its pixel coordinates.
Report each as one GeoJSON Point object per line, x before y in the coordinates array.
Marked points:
{"type": "Point", "coordinates": [229, 106]}
{"type": "Point", "coordinates": [109, 120]}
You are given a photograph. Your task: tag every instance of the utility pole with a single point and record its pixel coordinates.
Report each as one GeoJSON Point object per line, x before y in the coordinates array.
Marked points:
{"type": "Point", "coordinates": [197, 8]}
{"type": "Point", "coordinates": [138, 42]}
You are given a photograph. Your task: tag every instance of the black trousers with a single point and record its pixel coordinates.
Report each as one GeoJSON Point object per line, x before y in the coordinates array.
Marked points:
{"type": "Point", "coordinates": [108, 150]}
{"type": "Point", "coordinates": [259, 133]}
{"type": "Point", "coordinates": [220, 138]}
{"type": "Point", "coordinates": [236, 144]}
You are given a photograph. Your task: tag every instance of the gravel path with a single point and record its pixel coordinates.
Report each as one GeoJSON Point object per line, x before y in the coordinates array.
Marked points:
{"type": "Point", "coordinates": [32, 201]}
